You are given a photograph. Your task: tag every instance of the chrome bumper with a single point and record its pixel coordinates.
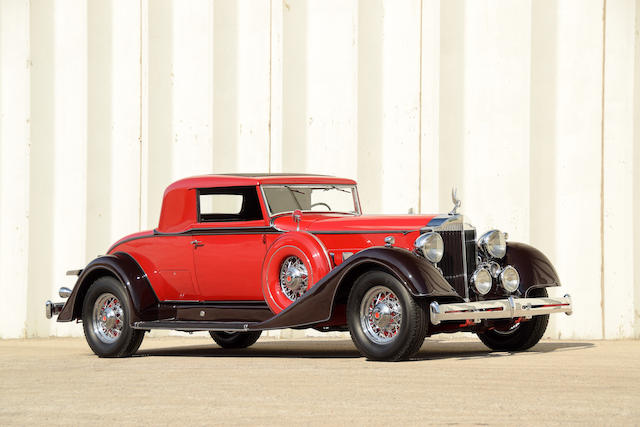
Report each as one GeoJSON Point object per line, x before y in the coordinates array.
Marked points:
{"type": "Point", "coordinates": [499, 309]}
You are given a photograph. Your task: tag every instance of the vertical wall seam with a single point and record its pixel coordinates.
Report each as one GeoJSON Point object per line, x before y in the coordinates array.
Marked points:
{"type": "Point", "coordinates": [270, 83]}
{"type": "Point", "coordinates": [604, 38]}
{"type": "Point", "coordinates": [140, 128]}
{"type": "Point", "coordinates": [420, 117]}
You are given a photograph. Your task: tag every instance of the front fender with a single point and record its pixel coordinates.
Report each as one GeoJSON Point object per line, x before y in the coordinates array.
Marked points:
{"type": "Point", "coordinates": [535, 269]}
{"type": "Point", "coordinates": [419, 277]}
{"type": "Point", "coordinates": [122, 266]}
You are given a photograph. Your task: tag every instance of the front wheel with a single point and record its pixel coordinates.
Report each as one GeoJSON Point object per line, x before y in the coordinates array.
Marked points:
{"type": "Point", "coordinates": [385, 321]}
{"type": "Point", "coordinates": [520, 336]}
{"type": "Point", "coordinates": [105, 320]}
{"type": "Point", "coordinates": [235, 339]}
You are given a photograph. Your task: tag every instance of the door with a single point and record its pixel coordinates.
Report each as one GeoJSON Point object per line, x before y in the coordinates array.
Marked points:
{"type": "Point", "coordinates": [229, 244]}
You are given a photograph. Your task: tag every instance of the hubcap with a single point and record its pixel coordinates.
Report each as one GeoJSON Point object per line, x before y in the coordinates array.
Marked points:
{"type": "Point", "coordinates": [380, 315]}
{"type": "Point", "coordinates": [108, 318]}
{"type": "Point", "coordinates": [293, 278]}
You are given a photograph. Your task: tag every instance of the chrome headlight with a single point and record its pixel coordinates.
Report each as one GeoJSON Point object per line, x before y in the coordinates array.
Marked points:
{"type": "Point", "coordinates": [430, 245]}
{"type": "Point", "coordinates": [481, 281]}
{"type": "Point", "coordinates": [510, 279]}
{"type": "Point", "coordinates": [493, 243]}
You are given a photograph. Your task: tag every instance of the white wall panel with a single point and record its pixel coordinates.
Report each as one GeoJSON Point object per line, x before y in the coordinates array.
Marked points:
{"type": "Point", "coordinates": [400, 106]}
{"type": "Point", "coordinates": [253, 86]}
{"type": "Point", "coordinates": [192, 63]}
{"type": "Point", "coordinates": [14, 165]}
{"type": "Point", "coordinates": [69, 146]}
{"type": "Point", "coordinates": [578, 139]}
{"type": "Point", "coordinates": [506, 100]}
{"type": "Point", "coordinates": [619, 268]}
{"type": "Point", "coordinates": [125, 114]}
{"type": "Point", "coordinates": [331, 98]}
{"type": "Point", "coordinates": [496, 116]}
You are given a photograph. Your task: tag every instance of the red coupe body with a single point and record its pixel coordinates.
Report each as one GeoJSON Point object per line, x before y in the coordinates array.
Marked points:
{"type": "Point", "coordinates": [240, 254]}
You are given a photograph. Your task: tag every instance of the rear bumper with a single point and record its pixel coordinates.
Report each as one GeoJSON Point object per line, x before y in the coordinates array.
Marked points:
{"type": "Point", "coordinates": [52, 308]}
{"type": "Point", "coordinates": [499, 309]}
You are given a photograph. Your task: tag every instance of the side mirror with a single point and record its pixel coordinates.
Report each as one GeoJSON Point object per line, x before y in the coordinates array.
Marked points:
{"type": "Point", "coordinates": [297, 215]}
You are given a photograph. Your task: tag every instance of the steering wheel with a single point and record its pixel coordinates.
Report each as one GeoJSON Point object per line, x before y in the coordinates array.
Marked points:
{"type": "Point", "coordinates": [321, 203]}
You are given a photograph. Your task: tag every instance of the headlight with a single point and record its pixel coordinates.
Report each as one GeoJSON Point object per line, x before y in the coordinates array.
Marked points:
{"type": "Point", "coordinates": [493, 243]}
{"type": "Point", "coordinates": [481, 281]}
{"type": "Point", "coordinates": [431, 246]}
{"type": "Point", "coordinates": [510, 279]}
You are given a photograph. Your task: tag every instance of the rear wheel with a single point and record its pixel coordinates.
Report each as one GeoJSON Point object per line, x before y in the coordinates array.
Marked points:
{"type": "Point", "coordinates": [235, 339]}
{"type": "Point", "coordinates": [385, 321]}
{"type": "Point", "coordinates": [520, 336]}
{"type": "Point", "coordinates": [105, 320]}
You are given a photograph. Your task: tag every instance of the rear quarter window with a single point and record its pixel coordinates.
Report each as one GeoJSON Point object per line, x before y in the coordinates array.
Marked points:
{"type": "Point", "coordinates": [228, 204]}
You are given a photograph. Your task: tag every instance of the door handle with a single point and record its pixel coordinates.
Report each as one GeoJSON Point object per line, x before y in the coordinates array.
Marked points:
{"type": "Point", "coordinates": [197, 243]}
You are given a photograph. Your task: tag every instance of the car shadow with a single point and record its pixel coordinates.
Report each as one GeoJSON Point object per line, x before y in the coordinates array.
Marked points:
{"type": "Point", "coordinates": [344, 349]}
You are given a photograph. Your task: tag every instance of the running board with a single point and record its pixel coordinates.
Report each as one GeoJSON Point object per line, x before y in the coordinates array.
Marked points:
{"type": "Point", "coordinates": [182, 325]}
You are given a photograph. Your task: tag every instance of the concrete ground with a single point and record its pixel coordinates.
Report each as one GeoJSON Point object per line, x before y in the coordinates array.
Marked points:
{"type": "Point", "coordinates": [186, 381]}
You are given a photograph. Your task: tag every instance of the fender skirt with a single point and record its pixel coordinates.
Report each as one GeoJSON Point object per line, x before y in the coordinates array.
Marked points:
{"type": "Point", "coordinates": [419, 277]}
{"type": "Point", "coordinates": [535, 269]}
{"type": "Point", "coordinates": [144, 303]}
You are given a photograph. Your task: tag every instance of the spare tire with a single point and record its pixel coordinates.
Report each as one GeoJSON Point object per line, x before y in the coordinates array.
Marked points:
{"type": "Point", "coordinates": [293, 264]}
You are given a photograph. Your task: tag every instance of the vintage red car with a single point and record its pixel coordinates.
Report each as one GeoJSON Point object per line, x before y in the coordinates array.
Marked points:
{"type": "Point", "coordinates": [238, 254]}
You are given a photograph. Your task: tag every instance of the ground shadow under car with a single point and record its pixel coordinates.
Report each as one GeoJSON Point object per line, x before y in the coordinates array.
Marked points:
{"type": "Point", "coordinates": [330, 349]}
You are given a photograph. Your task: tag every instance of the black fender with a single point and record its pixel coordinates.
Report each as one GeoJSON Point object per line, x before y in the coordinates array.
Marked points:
{"type": "Point", "coordinates": [418, 276]}
{"type": "Point", "coordinates": [535, 269]}
{"type": "Point", "coordinates": [122, 266]}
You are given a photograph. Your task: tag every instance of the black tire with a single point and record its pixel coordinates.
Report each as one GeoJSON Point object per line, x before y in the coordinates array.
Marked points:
{"type": "Point", "coordinates": [235, 339]}
{"type": "Point", "coordinates": [522, 337]}
{"type": "Point", "coordinates": [403, 342]}
{"type": "Point", "coordinates": [128, 340]}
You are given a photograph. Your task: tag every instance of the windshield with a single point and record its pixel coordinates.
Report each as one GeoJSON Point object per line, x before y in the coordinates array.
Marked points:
{"type": "Point", "coordinates": [315, 198]}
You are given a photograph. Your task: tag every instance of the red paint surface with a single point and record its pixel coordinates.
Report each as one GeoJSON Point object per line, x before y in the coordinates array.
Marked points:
{"type": "Point", "coordinates": [230, 266]}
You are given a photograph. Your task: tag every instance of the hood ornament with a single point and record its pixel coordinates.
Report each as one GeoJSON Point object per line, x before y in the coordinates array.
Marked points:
{"type": "Point", "coordinates": [456, 201]}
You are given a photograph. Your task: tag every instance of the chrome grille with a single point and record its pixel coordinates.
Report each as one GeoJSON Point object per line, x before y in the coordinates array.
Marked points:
{"type": "Point", "coordinates": [459, 251]}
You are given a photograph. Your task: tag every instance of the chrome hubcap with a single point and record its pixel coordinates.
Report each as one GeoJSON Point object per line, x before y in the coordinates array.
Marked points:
{"type": "Point", "coordinates": [108, 318]}
{"type": "Point", "coordinates": [380, 315]}
{"type": "Point", "coordinates": [293, 278]}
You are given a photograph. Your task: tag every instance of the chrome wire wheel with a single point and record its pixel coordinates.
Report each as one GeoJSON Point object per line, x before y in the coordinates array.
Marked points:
{"type": "Point", "coordinates": [108, 318]}
{"type": "Point", "coordinates": [381, 315]}
{"type": "Point", "coordinates": [294, 278]}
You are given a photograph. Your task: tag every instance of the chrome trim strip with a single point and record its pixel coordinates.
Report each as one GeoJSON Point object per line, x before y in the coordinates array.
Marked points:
{"type": "Point", "coordinates": [356, 198]}
{"type": "Point", "coordinates": [499, 309]}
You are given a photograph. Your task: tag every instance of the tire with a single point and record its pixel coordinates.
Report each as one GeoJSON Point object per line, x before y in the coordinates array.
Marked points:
{"type": "Point", "coordinates": [112, 336]}
{"type": "Point", "coordinates": [385, 338]}
{"type": "Point", "coordinates": [523, 336]}
{"type": "Point", "coordinates": [235, 339]}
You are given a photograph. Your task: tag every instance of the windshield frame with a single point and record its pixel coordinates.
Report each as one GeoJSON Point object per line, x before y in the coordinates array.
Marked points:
{"type": "Point", "coordinates": [353, 187]}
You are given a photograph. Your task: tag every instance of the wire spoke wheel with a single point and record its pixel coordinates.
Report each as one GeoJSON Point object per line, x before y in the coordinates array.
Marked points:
{"type": "Point", "coordinates": [108, 318]}
{"type": "Point", "coordinates": [381, 315]}
{"type": "Point", "coordinates": [294, 278]}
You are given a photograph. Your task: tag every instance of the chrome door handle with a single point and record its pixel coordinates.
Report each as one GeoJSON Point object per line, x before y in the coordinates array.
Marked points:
{"type": "Point", "coordinates": [197, 243]}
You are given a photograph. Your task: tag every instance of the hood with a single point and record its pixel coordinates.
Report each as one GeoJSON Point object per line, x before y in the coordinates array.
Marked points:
{"type": "Point", "coordinates": [319, 223]}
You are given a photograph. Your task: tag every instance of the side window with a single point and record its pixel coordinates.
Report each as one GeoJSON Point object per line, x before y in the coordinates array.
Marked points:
{"type": "Point", "coordinates": [228, 204]}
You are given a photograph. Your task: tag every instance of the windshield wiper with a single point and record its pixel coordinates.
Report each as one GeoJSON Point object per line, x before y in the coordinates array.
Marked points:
{"type": "Point", "coordinates": [295, 199]}
{"type": "Point", "coordinates": [336, 188]}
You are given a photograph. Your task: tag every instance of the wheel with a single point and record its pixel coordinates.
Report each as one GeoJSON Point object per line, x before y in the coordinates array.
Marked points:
{"type": "Point", "coordinates": [235, 339]}
{"type": "Point", "coordinates": [521, 336]}
{"type": "Point", "coordinates": [105, 320]}
{"type": "Point", "coordinates": [385, 321]}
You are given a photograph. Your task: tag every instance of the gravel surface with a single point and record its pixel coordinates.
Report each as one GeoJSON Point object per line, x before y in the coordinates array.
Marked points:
{"type": "Point", "coordinates": [317, 381]}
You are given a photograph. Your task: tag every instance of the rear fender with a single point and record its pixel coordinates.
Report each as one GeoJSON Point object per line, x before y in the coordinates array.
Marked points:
{"type": "Point", "coordinates": [122, 266]}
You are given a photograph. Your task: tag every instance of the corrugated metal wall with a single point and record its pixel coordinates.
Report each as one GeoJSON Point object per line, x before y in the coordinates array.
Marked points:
{"type": "Point", "coordinates": [531, 108]}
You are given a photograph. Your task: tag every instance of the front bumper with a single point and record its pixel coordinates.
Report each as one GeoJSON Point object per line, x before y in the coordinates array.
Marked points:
{"type": "Point", "coordinates": [499, 309]}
